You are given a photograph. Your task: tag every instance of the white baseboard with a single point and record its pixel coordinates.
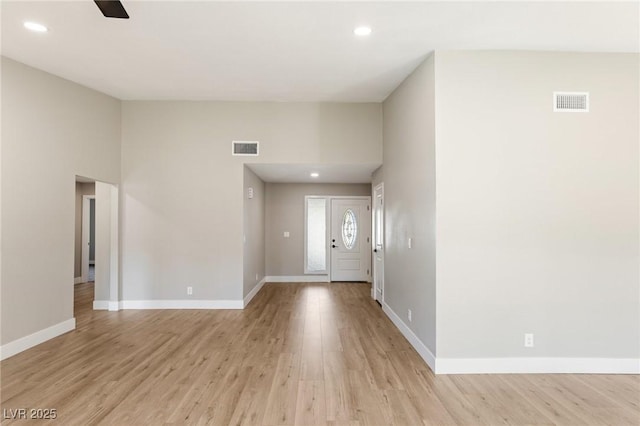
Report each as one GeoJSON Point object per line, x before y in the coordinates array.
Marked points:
{"type": "Point", "coordinates": [253, 292]}
{"type": "Point", "coordinates": [514, 365]}
{"type": "Point", "coordinates": [182, 304]}
{"type": "Point", "coordinates": [297, 279]}
{"type": "Point", "coordinates": [172, 304]}
{"type": "Point", "coordinates": [417, 344]}
{"type": "Point", "coordinates": [537, 365]}
{"type": "Point", "coordinates": [100, 305]}
{"type": "Point", "coordinates": [106, 305]}
{"type": "Point", "coordinates": [12, 348]}
{"type": "Point", "coordinates": [78, 280]}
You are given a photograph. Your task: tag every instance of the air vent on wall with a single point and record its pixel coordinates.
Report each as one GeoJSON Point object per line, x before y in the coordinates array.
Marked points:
{"type": "Point", "coordinates": [571, 101]}
{"type": "Point", "coordinates": [244, 148]}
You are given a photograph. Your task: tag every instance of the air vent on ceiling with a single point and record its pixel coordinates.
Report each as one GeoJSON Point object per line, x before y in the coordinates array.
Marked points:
{"type": "Point", "coordinates": [244, 148]}
{"type": "Point", "coordinates": [571, 101]}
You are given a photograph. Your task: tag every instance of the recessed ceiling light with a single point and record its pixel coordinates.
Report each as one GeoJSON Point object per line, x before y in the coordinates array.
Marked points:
{"type": "Point", "coordinates": [362, 31]}
{"type": "Point", "coordinates": [315, 175]}
{"type": "Point", "coordinates": [34, 26]}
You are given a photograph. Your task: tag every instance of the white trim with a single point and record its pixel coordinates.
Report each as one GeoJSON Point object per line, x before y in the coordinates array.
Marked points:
{"type": "Point", "coordinates": [253, 292]}
{"type": "Point", "coordinates": [417, 344]}
{"type": "Point", "coordinates": [114, 247]}
{"type": "Point", "coordinates": [513, 365]}
{"type": "Point", "coordinates": [538, 365]}
{"type": "Point", "coordinates": [182, 304]}
{"type": "Point", "coordinates": [78, 280]}
{"type": "Point", "coordinates": [106, 305]}
{"type": "Point", "coordinates": [374, 244]}
{"type": "Point", "coordinates": [100, 305]}
{"type": "Point", "coordinates": [297, 279]}
{"type": "Point", "coordinates": [22, 344]}
{"type": "Point", "coordinates": [347, 197]}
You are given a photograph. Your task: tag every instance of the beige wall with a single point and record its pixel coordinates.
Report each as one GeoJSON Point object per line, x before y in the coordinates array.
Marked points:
{"type": "Point", "coordinates": [537, 217]}
{"type": "Point", "coordinates": [254, 231]}
{"type": "Point", "coordinates": [60, 130]}
{"type": "Point", "coordinates": [86, 188]}
{"type": "Point", "coordinates": [285, 212]}
{"type": "Point", "coordinates": [410, 209]}
{"type": "Point", "coordinates": [182, 191]}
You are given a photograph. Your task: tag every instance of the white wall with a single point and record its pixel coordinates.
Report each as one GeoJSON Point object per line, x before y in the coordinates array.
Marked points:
{"type": "Point", "coordinates": [182, 191]}
{"type": "Point", "coordinates": [537, 212]}
{"type": "Point", "coordinates": [285, 212]}
{"type": "Point", "coordinates": [254, 230]}
{"type": "Point", "coordinates": [52, 131]}
{"type": "Point", "coordinates": [409, 190]}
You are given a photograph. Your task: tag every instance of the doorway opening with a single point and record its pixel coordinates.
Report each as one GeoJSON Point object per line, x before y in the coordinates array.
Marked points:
{"type": "Point", "coordinates": [85, 192]}
{"type": "Point", "coordinates": [96, 248]}
{"type": "Point", "coordinates": [88, 237]}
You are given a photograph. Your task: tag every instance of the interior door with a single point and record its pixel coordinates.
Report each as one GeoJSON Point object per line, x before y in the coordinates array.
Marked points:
{"type": "Point", "coordinates": [378, 242]}
{"type": "Point", "coordinates": [350, 240]}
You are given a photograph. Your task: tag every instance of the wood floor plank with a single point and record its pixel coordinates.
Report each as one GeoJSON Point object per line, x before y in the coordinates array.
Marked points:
{"type": "Point", "coordinates": [339, 401]}
{"type": "Point", "coordinates": [299, 354]}
{"type": "Point", "coordinates": [281, 402]}
{"type": "Point", "coordinates": [311, 406]}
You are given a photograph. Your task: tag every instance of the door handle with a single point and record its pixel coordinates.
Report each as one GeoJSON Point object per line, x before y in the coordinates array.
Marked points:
{"type": "Point", "coordinates": [333, 245]}
{"type": "Point", "coordinates": [375, 250]}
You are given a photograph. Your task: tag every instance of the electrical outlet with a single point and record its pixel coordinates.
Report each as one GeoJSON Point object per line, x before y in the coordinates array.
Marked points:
{"type": "Point", "coordinates": [409, 315]}
{"type": "Point", "coordinates": [189, 291]}
{"type": "Point", "coordinates": [286, 234]}
{"type": "Point", "coordinates": [410, 243]}
{"type": "Point", "coordinates": [528, 340]}
{"type": "Point", "coordinates": [256, 276]}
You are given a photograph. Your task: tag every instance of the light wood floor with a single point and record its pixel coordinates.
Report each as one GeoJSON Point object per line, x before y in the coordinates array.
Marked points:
{"type": "Point", "coordinates": [302, 354]}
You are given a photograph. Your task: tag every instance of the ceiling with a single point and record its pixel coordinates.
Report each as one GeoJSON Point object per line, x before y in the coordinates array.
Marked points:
{"type": "Point", "coordinates": [290, 51]}
{"type": "Point", "coordinates": [301, 173]}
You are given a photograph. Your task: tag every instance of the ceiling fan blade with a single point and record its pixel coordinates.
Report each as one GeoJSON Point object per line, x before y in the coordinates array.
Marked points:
{"type": "Point", "coordinates": [112, 9]}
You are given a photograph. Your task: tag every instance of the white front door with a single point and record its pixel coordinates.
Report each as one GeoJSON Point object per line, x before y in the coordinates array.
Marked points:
{"type": "Point", "coordinates": [378, 242]}
{"type": "Point", "coordinates": [350, 240]}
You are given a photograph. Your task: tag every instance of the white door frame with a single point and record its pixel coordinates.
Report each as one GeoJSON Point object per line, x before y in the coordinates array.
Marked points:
{"type": "Point", "coordinates": [329, 221]}
{"type": "Point", "coordinates": [107, 247]}
{"type": "Point", "coordinates": [378, 189]}
{"type": "Point", "coordinates": [86, 224]}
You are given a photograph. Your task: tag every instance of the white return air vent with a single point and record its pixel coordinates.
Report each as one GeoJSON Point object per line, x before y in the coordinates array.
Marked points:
{"type": "Point", "coordinates": [570, 101]}
{"type": "Point", "coordinates": [244, 148]}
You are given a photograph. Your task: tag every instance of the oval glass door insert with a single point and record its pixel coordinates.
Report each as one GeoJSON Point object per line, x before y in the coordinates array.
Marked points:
{"type": "Point", "coordinates": [349, 229]}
